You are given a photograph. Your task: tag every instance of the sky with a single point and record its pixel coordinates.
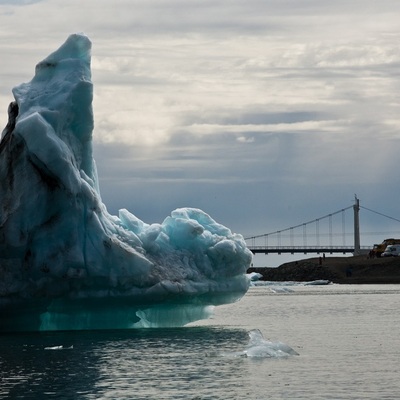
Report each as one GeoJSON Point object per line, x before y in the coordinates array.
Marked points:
{"type": "Point", "coordinates": [263, 113]}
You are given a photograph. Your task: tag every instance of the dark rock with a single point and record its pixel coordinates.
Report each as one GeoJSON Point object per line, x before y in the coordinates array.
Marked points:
{"type": "Point", "coordinates": [357, 270]}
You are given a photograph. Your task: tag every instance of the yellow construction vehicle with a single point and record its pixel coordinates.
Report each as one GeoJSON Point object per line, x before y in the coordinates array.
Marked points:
{"type": "Point", "coordinates": [378, 249]}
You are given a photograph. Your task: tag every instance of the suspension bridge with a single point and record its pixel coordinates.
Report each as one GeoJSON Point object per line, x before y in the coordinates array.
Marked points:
{"type": "Point", "coordinates": [315, 236]}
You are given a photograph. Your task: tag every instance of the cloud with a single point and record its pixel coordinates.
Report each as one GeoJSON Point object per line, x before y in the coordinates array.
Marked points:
{"type": "Point", "coordinates": [260, 112]}
{"type": "Point", "coordinates": [244, 139]}
{"type": "Point", "coordinates": [18, 2]}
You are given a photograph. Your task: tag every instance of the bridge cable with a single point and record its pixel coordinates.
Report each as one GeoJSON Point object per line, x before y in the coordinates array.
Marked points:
{"type": "Point", "coordinates": [383, 215]}
{"type": "Point", "coordinates": [301, 225]}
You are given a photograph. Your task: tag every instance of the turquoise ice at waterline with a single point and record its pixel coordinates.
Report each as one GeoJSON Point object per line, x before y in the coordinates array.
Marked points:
{"type": "Point", "coordinates": [65, 262]}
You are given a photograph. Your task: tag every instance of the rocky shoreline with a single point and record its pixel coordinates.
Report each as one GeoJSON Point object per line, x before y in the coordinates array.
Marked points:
{"type": "Point", "coordinates": [348, 270]}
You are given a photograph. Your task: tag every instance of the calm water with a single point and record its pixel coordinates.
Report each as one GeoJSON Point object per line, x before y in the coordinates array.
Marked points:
{"type": "Point", "coordinates": [347, 338]}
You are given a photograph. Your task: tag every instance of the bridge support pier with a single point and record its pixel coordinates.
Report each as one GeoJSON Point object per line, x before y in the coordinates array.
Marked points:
{"type": "Point", "coordinates": [356, 208]}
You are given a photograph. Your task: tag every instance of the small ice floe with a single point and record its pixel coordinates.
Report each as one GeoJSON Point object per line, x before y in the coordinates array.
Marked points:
{"type": "Point", "coordinates": [280, 289]}
{"type": "Point", "coordinates": [273, 286]}
{"type": "Point", "coordinates": [259, 347]}
{"type": "Point", "coordinates": [284, 286]}
{"type": "Point", "coordinates": [59, 348]}
{"type": "Point", "coordinates": [254, 277]}
{"type": "Point", "coordinates": [318, 282]}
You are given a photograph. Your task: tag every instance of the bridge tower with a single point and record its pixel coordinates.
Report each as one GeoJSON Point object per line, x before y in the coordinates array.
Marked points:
{"type": "Point", "coordinates": [356, 208]}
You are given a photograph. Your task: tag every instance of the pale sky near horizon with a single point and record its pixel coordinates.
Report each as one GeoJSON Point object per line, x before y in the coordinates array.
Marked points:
{"type": "Point", "coordinates": [263, 113]}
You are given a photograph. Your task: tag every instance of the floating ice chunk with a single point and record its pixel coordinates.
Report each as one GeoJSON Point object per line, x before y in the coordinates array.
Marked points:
{"type": "Point", "coordinates": [259, 347]}
{"type": "Point", "coordinates": [254, 276]}
{"type": "Point", "coordinates": [59, 348]}
{"type": "Point", "coordinates": [318, 282]}
{"type": "Point", "coordinates": [65, 262]}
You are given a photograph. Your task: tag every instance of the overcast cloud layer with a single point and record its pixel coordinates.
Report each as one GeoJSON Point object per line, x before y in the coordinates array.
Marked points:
{"type": "Point", "coordinates": [263, 113]}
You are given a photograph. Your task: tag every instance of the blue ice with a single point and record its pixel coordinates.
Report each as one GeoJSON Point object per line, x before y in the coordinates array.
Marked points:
{"type": "Point", "coordinates": [65, 262]}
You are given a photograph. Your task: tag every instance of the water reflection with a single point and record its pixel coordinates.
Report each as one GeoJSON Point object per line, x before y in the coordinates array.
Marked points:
{"type": "Point", "coordinates": [29, 371]}
{"type": "Point", "coordinates": [139, 364]}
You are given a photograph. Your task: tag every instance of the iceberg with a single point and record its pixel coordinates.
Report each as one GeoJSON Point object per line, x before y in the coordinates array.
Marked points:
{"type": "Point", "coordinates": [65, 262]}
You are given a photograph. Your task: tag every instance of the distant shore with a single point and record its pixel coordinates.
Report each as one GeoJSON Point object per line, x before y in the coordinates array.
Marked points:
{"type": "Point", "coordinates": [349, 270]}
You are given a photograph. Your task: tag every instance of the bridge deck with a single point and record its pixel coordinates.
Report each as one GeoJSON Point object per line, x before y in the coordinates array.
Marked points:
{"type": "Point", "coordinates": [305, 249]}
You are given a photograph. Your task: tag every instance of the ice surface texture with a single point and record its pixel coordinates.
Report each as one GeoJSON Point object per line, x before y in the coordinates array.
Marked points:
{"type": "Point", "coordinates": [65, 263]}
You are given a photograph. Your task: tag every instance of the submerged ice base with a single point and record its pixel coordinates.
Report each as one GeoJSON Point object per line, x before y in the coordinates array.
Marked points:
{"type": "Point", "coordinates": [65, 262]}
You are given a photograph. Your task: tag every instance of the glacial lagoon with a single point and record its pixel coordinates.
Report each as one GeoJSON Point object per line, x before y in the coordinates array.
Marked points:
{"type": "Point", "coordinates": [346, 337]}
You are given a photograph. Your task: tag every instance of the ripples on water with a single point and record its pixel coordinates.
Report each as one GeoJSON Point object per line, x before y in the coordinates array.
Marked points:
{"type": "Point", "coordinates": [347, 338]}
{"type": "Point", "coordinates": [147, 364]}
